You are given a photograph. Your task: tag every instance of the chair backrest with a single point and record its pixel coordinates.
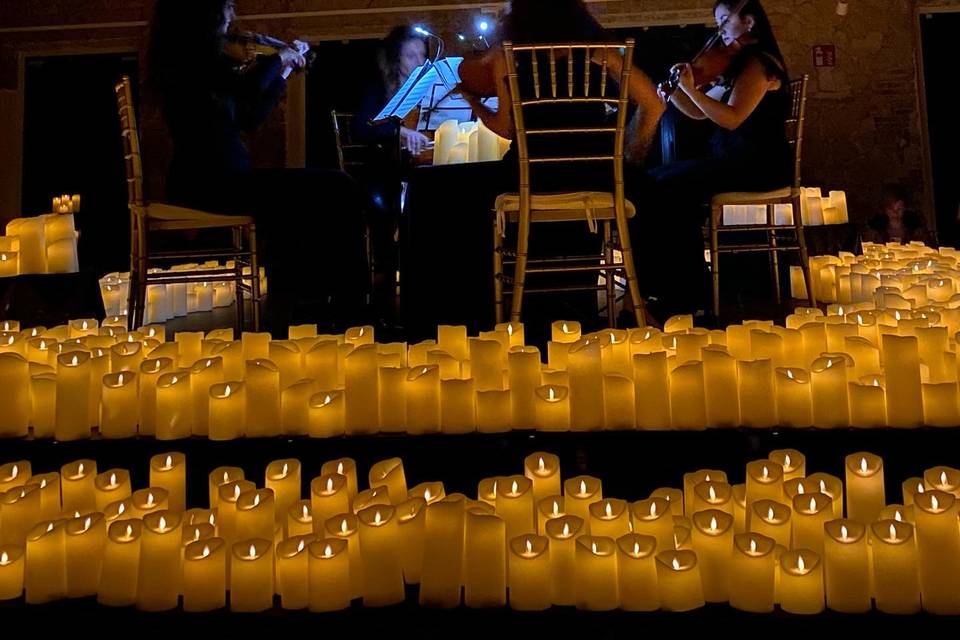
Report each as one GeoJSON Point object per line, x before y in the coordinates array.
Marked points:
{"type": "Point", "coordinates": [131, 142]}
{"type": "Point", "coordinates": [795, 124]}
{"type": "Point", "coordinates": [351, 155]}
{"type": "Point", "coordinates": [569, 68]}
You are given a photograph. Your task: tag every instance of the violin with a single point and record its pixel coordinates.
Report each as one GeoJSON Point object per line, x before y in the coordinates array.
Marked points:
{"type": "Point", "coordinates": [246, 46]}
{"type": "Point", "coordinates": [477, 73]}
{"type": "Point", "coordinates": [713, 60]}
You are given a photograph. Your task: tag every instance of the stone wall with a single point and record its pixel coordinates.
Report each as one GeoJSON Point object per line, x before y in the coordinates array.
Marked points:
{"type": "Point", "coordinates": [864, 123]}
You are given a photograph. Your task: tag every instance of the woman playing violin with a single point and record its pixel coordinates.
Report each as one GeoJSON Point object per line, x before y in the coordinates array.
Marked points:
{"type": "Point", "coordinates": [313, 247]}
{"type": "Point", "coordinates": [749, 104]}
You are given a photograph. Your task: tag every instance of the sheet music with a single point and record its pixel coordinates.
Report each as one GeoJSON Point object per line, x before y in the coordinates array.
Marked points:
{"type": "Point", "coordinates": [410, 94]}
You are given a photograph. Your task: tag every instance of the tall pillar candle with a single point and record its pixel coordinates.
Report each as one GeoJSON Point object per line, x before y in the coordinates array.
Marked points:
{"type": "Point", "coordinates": [121, 563]}
{"type": "Point", "coordinates": [293, 572]}
{"type": "Point", "coordinates": [543, 469]}
{"type": "Point", "coordinates": [345, 527]}
{"type": "Point", "coordinates": [678, 581]}
{"type": "Point", "coordinates": [864, 485]}
{"type": "Point", "coordinates": [295, 408]}
{"type": "Point", "coordinates": [811, 511]}
{"type": "Point", "coordinates": [712, 538]}
{"type": "Point", "coordinates": [362, 400]}
{"type": "Point", "coordinates": [160, 549]}
{"type": "Point", "coordinates": [20, 510]}
{"type": "Point", "coordinates": [800, 588]}
{"type": "Point", "coordinates": [203, 375]}
{"type": "Point", "coordinates": [14, 395]}
{"type": "Point", "coordinates": [251, 575]}
{"type": "Point", "coordinates": [901, 361]}
{"type": "Point", "coordinates": [563, 533]}
{"type": "Point", "coordinates": [380, 550]}
{"type": "Point", "coordinates": [579, 493]}
{"type": "Point", "coordinates": [441, 579]}
{"type": "Point", "coordinates": [846, 566]}
{"type": "Point", "coordinates": [752, 573]}
{"type": "Point", "coordinates": [828, 378]}
{"type": "Point", "coordinates": [329, 575]}
{"type": "Point", "coordinates": [637, 573]}
{"type": "Point", "coordinates": [329, 495]}
{"type": "Point", "coordinates": [119, 406]}
{"type": "Point", "coordinates": [255, 514]}
{"type": "Point", "coordinates": [227, 411]}
{"type": "Point", "coordinates": [205, 575]}
{"type": "Point", "coordinates": [423, 400]}
{"type": "Point", "coordinates": [411, 523]}
{"type": "Point", "coordinates": [73, 396]}
{"type": "Point", "coordinates": [938, 549]}
{"type": "Point", "coordinates": [514, 503]}
{"type": "Point", "coordinates": [586, 386]}
{"type": "Point", "coordinates": [77, 488]}
{"type": "Point", "coordinates": [687, 406]}
{"type": "Point", "coordinates": [596, 572]}
{"type": "Point", "coordinates": [46, 579]}
{"type": "Point", "coordinates": [86, 537]}
{"type": "Point", "coordinates": [529, 575]}
{"type": "Point", "coordinates": [610, 518]}
{"type": "Point", "coordinates": [283, 478]}
{"type": "Point", "coordinates": [523, 371]}
{"type": "Point", "coordinates": [895, 575]}
{"type": "Point", "coordinates": [485, 560]}
{"type": "Point", "coordinates": [327, 414]}
{"type": "Point", "coordinates": [174, 406]}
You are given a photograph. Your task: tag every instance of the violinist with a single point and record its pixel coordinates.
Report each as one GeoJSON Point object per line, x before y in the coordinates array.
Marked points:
{"type": "Point", "coordinates": [313, 247]}
{"type": "Point", "coordinates": [749, 103]}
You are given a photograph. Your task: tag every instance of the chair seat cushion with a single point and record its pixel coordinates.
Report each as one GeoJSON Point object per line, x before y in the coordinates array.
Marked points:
{"type": "Point", "coordinates": [752, 197]}
{"type": "Point", "coordinates": [559, 207]}
{"type": "Point", "coordinates": [167, 216]}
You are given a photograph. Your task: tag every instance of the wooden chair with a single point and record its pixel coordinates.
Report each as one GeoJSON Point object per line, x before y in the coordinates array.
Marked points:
{"type": "Point", "coordinates": [149, 217]}
{"type": "Point", "coordinates": [779, 237]}
{"type": "Point", "coordinates": [606, 209]}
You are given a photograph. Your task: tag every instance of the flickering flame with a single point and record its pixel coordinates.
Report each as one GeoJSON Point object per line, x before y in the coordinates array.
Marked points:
{"type": "Point", "coordinates": [4, 558]}
{"type": "Point", "coordinates": [510, 330]}
{"type": "Point", "coordinates": [343, 526]}
{"type": "Point", "coordinates": [514, 487]}
{"type": "Point", "coordinates": [15, 471]}
{"type": "Point", "coordinates": [226, 478]}
{"type": "Point", "coordinates": [934, 502]}
{"type": "Point", "coordinates": [361, 332]}
{"type": "Point", "coordinates": [256, 500]}
{"type": "Point", "coordinates": [893, 533]}
{"type": "Point", "coordinates": [790, 373]}
{"type": "Point", "coordinates": [636, 548]}
{"type": "Point", "coordinates": [823, 487]}
{"type": "Point", "coordinates": [339, 464]}
{"type": "Point", "coordinates": [236, 491]}
{"type": "Point", "coordinates": [653, 509]}
{"type": "Point", "coordinates": [897, 516]}
{"type": "Point", "coordinates": [540, 465]}
{"type": "Point", "coordinates": [80, 469]}
{"type": "Point", "coordinates": [676, 565]}
{"type": "Point", "coordinates": [300, 546]}
{"type": "Point", "coordinates": [87, 523]}
{"type": "Point", "coordinates": [753, 545]}
{"type": "Point", "coordinates": [593, 547]}
{"type": "Point", "coordinates": [566, 530]}
{"type": "Point", "coordinates": [163, 523]}
{"type": "Point", "coordinates": [327, 551]}
{"type": "Point", "coordinates": [943, 478]}
{"type": "Point", "coordinates": [843, 532]}
{"type": "Point", "coordinates": [49, 527]}
{"type": "Point", "coordinates": [813, 504]}
{"type": "Point", "coordinates": [74, 361]}
{"type": "Point", "coordinates": [168, 462]}
{"type": "Point", "coordinates": [863, 465]}
{"type": "Point", "coordinates": [43, 345]}
{"type": "Point", "coordinates": [121, 509]}
{"type": "Point", "coordinates": [770, 513]}
{"type": "Point", "coordinates": [129, 531]}
{"type": "Point", "coordinates": [786, 460]}
{"type": "Point", "coordinates": [920, 488]}
{"type": "Point", "coordinates": [609, 510]}
{"type": "Point", "coordinates": [376, 517]}
{"type": "Point", "coordinates": [283, 472]}
{"type": "Point", "coordinates": [306, 512]}
{"type": "Point", "coordinates": [120, 380]}
{"type": "Point", "coordinates": [713, 523]}
{"type": "Point", "coordinates": [113, 479]}
{"type": "Point", "coordinates": [529, 546]}
{"type": "Point", "coordinates": [766, 472]}
{"type": "Point", "coordinates": [226, 394]}
{"type": "Point", "coordinates": [206, 551]}
{"type": "Point", "coordinates": [583, 487]}
{"type": "Point", "coordinates": [801, 565]}
{"type": "Point", "coordinates": [84, 325]}
{"type": "Point", "coordinates": [494, 487]}
{"type": "Point", "coordinates": [564, 328]}
{"type": "Point", "coordinates": [209, 363]}
{"type": "Point", "coordinates": [252, 552]}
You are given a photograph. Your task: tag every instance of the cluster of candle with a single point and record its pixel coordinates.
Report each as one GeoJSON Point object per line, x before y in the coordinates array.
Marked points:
{"type": "Point", "coordinates": [815, 210]}
{"type": "Point", "coordinates": [66, 204]}
{"type": "Point", "coordinates": [783, 537]}
{"type": "Point", "coordinates": [861, 369]}
{"type": "Point", "coordinates": [167, 301]}
{"type": "Point", "coordinates": [45, 244]}
{"type": "Point", "coordinates": [457, 143]}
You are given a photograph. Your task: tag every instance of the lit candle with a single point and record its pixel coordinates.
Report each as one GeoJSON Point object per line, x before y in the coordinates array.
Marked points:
{"type": "Point", "coordinates": [11, 572]}
{"type": "Point", "coordinates": [371, 497]}
{"type": "Point", "coordinates": [15, 474]}
{"type": "Point", "coordinates": [119, 406]}
{"type": "Point", "coordinates": [73, 396]}
{"type": "Point", "coordinates": [218, 477]}
{"type": "Point", "coordinates": [552, 408]}
{"type": "Point", "coordinates": [943, 479]}
{"type": "Point", "coordinates": [687, 407]}
{"type": "Point", "coordinates": [256, 515]}
{"type": "Point", "coordinates": [293, 571]}
{"type": "Point", "coordinates": [828, 376]}
{"type": "Point", "coordinates": [110, 486]}
{"type": "Point", "coordinates": [229, 494]}
{"type": "Point", "coordinates": [77, 486]}
{"type": "Point", "coordinates": [441, 578]}
{"type": "Point", "coordinates": [800, 587]}
{"type": "Point", "coordinates": [609, 518]}
{"type": "Point", "coordinates": [752, 573]}
{"type": "Point", "coordinates": [168, 471]}
{"type": "Point", "coordinates": [563, 533]}
{"type": "Point", "coordinates": [126, 356]}
{"type": "Point", "coordinates": [327, 414]}
{"type": "Point", "coordinates": [830, 485]}
{"type": "Point", "coordinates": [423, 399]}
{"type": "Point", "coordinates": [379, 548]}
{"type": "Point", "coordinates": [548, 508]}
{"type": "Point", "coordinates": [345, 526]}
{"type": "Point", "coordinates": [86, 537]}
{"type": "Point", "coordinates": [586, 385]}
{"type": "Point", "coordinates": [865, 493]}
{"type": "Point", "coordinates": [150, 372]}
{"type": "Point", "coordinates": [411, 522]}
{"type": "Point", "coordinates": [389, 474]}
{"type": "Point", "coordinates": [204, 575]}
{"type": "Point", "coordinates": [772, 519]}
{"type": "Point", "coordinates": [41, 350]}
{"type": "Point", "coordinates": [565, 331]}
{"type": "Point", "coordinates": [596, 574]}
{"type": "Point", "coordinates": [49, 485]}
{"type": "Point", "coordinates": [712, 495]}
{"type": "Point", "coordinates": [653, 517]}
{"type": "Point", "coordinates": [345, 467]}
{"type": "Point", "coordinates": [652, 398]}
{"type": "Point", "coordinates": [514, 503]}
{"type": "Point", "coordinates": [227, 411]}
{"type": "Point", "coordinates": [794, 403]}
{"type": "Point", "coordinates": [160, 549]}
{"type": "Point", "coordinates": [286, 355]}
{"type": "Point", "coordinates": [262, 380]}
{"type": "Point", "coordinates": [764, 481]}
{"type": "Point", "coordinates": [896, 577]}
{"type": "Point", "coordinates": [144, 501]}
{"type": "Point", "coordinates": [529, 573]}
{"type": "Point", "coordinates": [362, 400]}
{"type": "Point", "coordinates": [20, 509]}
{"type": "Point", "coordinates": [203, 374]}
{"type": "Point", "coordinates": [295, 408]}
{"type": "Point", "coordinates": [329, 577]}
{"type": "Point", "coordinates": [46, 579]}
{"type": "Point", "coordinates": [811, 511]}
{"type": "Point", "coordinates": [793, 462]}
{"type": "Point", "coordinates": [328, 497]}
{"type": "Point", "coordinates": [523, 371]}
{"type": "Point", "coordinates": [712, 538]}
{"type": "Point", "coordinates": [299, 519]}
{"type": "Point", "coordinates": [740, 508]}
{"type": "Point", "coordinates": [846, 566]}
{"type": "Point", "coordinates": [678, 581]}
{"type": "Point", "coordinates": [430, 491]}
{"type": "Point", "coordinates": [579, 493]}
{"type": "Point", "coordinates": [484, 561]}
{"type": "Point", "coordinates": [283, 478]}
{"type": "Point", "coordinates": [692, 479]}
{"type": "Point", "coordinates": [14, 395]}
{"type": "Point", "coordinates": [938, 548]}
{"type": "Point", "coordinates": [904, 395]}
{"type": "Point", "coordinates": [637, 573]}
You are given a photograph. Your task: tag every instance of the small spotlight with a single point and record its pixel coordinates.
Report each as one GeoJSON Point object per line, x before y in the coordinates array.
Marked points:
{"type": "Point", "coordinates": [461, 37]}
{"type": "Point", "coordinates": [484, 26]}
{"type": "Point", "coordinates": [421, 31]}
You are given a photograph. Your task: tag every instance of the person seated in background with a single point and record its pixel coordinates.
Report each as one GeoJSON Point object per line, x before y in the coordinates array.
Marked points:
{"type": "Point", "coordinates": [895, 222]}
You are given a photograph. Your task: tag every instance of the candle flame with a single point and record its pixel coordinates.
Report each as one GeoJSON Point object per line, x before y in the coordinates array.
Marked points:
{"type": "Point", "coordinates": [823, 487]}
{"type": "Point", "coordinates": [129, 530]}
{"type": "Point", "coordinates": [766, 472]}
{"type": "Point", "coordinates": [49, 527]}
{"type": "Point", "coordinates": [786, 460]}
{"type": "Point", "coordinates": [896, 314]}
{"type": "Point", "coordinates": [893, 533]}
{"type": "Point", "coordinates": [529, 546]}
{"type": "Point", "coordinates": [593, 547]}
{"type": "Point", "coordinates": [306, 512]}
{"type": "Point", "coordinates": [713, 493]}
{"type": "Point", "coordinates": [540, 465]}
{"type": "Point", "coordinates": [609, 510]}
{"type": "Point", "coordinates": [9, 340]}
{"type": "Point", "coordinates": [252, 552]}
{"type": "Point", "coordinates": [934, 502]}
{"type": "Point", "coordinates": [206, 551]}
{"type": "Point", "coordinates": [863, 465]}
{"type": "Point", "coordinates": [770, 513]}
{"type": "Point", "coordinates": [73, 362]}
{"type": "Point", "coordinates": [163, 523]}
{"type": "Point", "coordinates": [494, 487]}
{"type": "Point", "coordinates": [943, 478]}
{"type": "Point", "coordinates": [168, 462]}
{"type": "Point", "coordinates": [920, 488]}
{"type": "Point", "coordinates": [84, 325]}
{"type": "Point", "coordinates": [790, 373]}
{"type": "Point", "coordinates": [753, 545]}
{"type": "Point", "coordinates": [120, 380]}
{"type": "Point", "coordinates": [43, 345]}
{"type": "Point", "coordinates": [339, 464]}
{"type": "Point", "coordinates": [514, 487]}
{"type": "Point", "coordinates": [343, 526]}
{"type": "Point", "coordinates": [226, 394]}
{"type": "Point", "coordinates": [897, 516]}
{"type": "Point", "coordinates": [152, 332]}
{"type": "Point", "coordinates": [676, 541]}
{"type": "Point", "coordinates": [256, 500]}
{"type": "Point", "coordinates": [283, 472]}
{"type": "Point", "coordinates": [209, 363]}
{"type": "Point", "coordinates": [4, 558]}
{"type": "Point", "coordinates": [676, 565]}
{"type": "Point", "coordinates": [426, 494]}
{"type": "Point", "coordinates": [80, 469]}
{"type": "Point", "coordinates": [566, 530]}
{"type": "Point", "coordinates": [713, 523]}
{"type": "Point", "coordinates": [121, 509]}
{"type": "Point", "coordinates": [327, 551]}
{"type": "Point", "coordinates": [301, 545]}
{"type": "Point", "coordinates": [564, 328]}
{"type": "Point", "coordinates": [236, 491]}
{"type": "Point", "coordinates": [653, 509]}
{"type": "Point", "coordinates": [150, 499]}
{"type": "Point", "coordinates": [113, 479]}
{"type": "Point", "coordinates": [843, 532]}
{"type": "Point", "coordinates": [376, 517]}
{"type": "Point", "coordinates": [510, 330]}
{"type": "Point", "coordinates": [801, 565]}
{"type": "Point", "coordinates": [196, 534]}
{"type": "Point", "coordinates": [87, 523]}
{"type": "Point", "coordinates": [813, 504]}
{"type": "Point", "coordinates": [212, 520]}
{"type": "Point", "coordinates": [15, 471]}
{"type": "Point", "coordinates": [876, 382]}
{"type": "Point", "coordinates": [556, 509]}
{"type": "Point", "coordinates": [226, 477]}
{"type": "Point", "coordinates": [329, 485]}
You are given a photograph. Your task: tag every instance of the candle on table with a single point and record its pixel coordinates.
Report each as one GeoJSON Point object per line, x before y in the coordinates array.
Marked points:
{"type": "Point", "coordinates": [345, 526]}
{"type": "Point", "coordinates": [514, 503]}
{"type": "Point", "coordinates": [283, 478]}
{"type": "Point", "coordinates": [938, 549]}
{"type": "Point", "coordinates": [752, 573]}
{"type": "Point", "coordinates": [49, 485]}
{"type": "Point", "coordinates": [411, 522]}
{"type": "Point", "coordinates": [942, 478]}
{"type": "Point", "coordinates": [485, 561]}
{"type": "Point", "coordinates": [15, 474]}
{"type": "Point", "coordinates": [380, 546]}
{"type": "Point", "coordinates": [441, 577]}
{"type": "Point", "coordinates": [800, 589]}
{"type": "Point", "coordinates": [389, 474]}
{"type": "Point", "coordinates": [653, 517]}
{"type": "Point", "coordinates": [678, 581]}
{"type": "Point", "coordinates": [251, 575]}
{"type": "Point", "coordinates": [46, 579]}
{"type": "Point", "coordinates": [579, 493]}
{"type": "Point", "coordinates": [493, 411]}
{"type": "Point", "coordinates": [329, 575]}
{"type": "Point", "coordinates": [596, 574]}
{"type": "Point", "coordinates": [895, 576]}
{"type": "Point", "coordinates": [327, 414]}
{"type": "Point", "coordinates": [652, 399]}
{"type": "Point", "coordinates": [720, 387]}
{"type": "Point", "coordinates": [565, 331]}
{"type": "Point", "coordinates": [712, 495]}
{"type": "Point", "coordinates": [865, 492]}
{"type": "Point", "coordinates": [828, 377]}
{"type": "Point", "coordinates": [846, 566]}
{"type": "Point", "coordinates": [293, 571]}
{"type": "Point", "coordinates": [811, 511]}
{"type": "Point", "coordinates": [772, 519]}
{"type": "Point", "coordinates": [86, 537]}
{"type": "Point", "coordinates": [111, 486]}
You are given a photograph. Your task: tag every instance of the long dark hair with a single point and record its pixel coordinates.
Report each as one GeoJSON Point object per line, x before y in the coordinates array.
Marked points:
{"type": "Point", "coordinates": [772, 57]}
{"type": "Point", "coordinates": [388, 56]}
{"type": "Point", "coordinates": [185, 41]}
{"type": "Point", "coordinates": [539, 21]}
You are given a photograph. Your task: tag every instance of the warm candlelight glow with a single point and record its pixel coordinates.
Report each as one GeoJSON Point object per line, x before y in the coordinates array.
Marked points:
{"type": "Point", "coordinates": [328, 551]}
{"type": "Point", "coordinates": [676, 565]}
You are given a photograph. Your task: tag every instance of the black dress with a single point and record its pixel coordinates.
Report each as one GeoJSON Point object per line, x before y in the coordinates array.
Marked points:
{"type": "Point", "coordinates": [310, 222]}
{"type": "Point", "coordinates": [671, 199]}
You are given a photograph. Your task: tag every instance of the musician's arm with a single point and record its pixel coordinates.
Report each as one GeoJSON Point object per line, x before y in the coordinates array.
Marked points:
{"type": "Point", "coordinates": [643, 127]}
{"type": "Point", "coordinates": [685, 105]}
{"type": "Point", "coordinates": [748, 91]}
{"type": "Point", "coordinates": [259, 90]}
{"type": "Point", "coordinates": [501, 120]}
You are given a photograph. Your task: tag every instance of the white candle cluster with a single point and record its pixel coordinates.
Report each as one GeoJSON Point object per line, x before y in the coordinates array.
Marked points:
{"type": "Point", "coordinates": [850, 367]}
{"type": "Point", "coordinates": [175, 300]}
{"type": "Point", "coordinates": [461, 142]}
{"type": "Point", "coordinates": [783, 538]}
{"type": "Point", "coordinates": [44, 244]}
{"type": "Point", "coordinates": [816, 210]}
{"type": "Point", "coordinates": [66, 204]}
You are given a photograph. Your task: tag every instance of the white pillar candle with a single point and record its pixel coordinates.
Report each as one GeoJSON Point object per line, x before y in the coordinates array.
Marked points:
{"type": "Point", "coordinates": [543, 469]}
{"type": "Point", "coordinates": [864, 485]}
{"type": "Point", "coordinates": [251, 575]}
{"type": "Point", "coordinates": [73, 396]}
{"type": "Point", "coordinates": [174, 406]}
{"type": "Point", "coordinates": [227, 411]}
{"type": "Point", "coordinates": [204, 575]}
{"type": "Point", "coordinates": [458, 406]}
{"type": "Point", "coordinates": [794, 398]}
{"type": "Point", "coordinates": [596, 574]}
{"type": "Point", "coordinates": [586, 386]}
{"type": "Point", "coordinates": [14, 395]}
{"type": "Point", "coordinates": [160, 549]}
{"type": "Point", "coordinates": [361, 398]}
{"type": "Point", "coordinates": [678, 581]}
{"type": "Point", "coordinates": [380, 549]}
{"type": "Point", "coordinates": [423, 400]}
{"type": "Point", "coordinates": [652, 384]}
{"type": "Point", "coordinates": [938, 548]}
{"type": "Point", "coordinates": [828, 377]}
{"type": "Point", "coordinates": [121, 564]}
{"type": "Point", "coordinates": [901, 361]}
{"type": "Point", "coordinates": [46, 579]}
{"type": "Point", "coordinates": [687, 407]}
{"type": "Point", "coordinates": [441, 579]}
{"type": "Point", "coordinates": [330, 577]}
{"type": "Point", "coordinates": [846, 566]}
{"type": "Point", "coordinates": [895, 569]}
{"type": "Point", "coordinates": [262, 382]}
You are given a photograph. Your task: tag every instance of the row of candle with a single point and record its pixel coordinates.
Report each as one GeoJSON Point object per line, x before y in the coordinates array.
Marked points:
{"type": "Point", "coordinates": [167, 301]}
{"type": "Point", "coordinates": [533, 540]}
{"type": "Point", "coordinates": [816, 210]}
{"type": "Point", "coordinates": [460, 142]}
{"type": "Point", "coordinates": [44, 244]}
{"type": "Point", "coordinates": [66, 204]}
{"type": "Point", "coordinates": [890, 276]}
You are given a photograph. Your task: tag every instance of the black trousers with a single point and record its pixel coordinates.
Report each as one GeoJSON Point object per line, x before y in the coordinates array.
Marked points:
{"type": "Point", "coordinates": [311, 231]}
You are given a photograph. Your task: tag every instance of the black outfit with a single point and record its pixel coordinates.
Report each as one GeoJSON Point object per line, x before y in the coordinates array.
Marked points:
{"type": "Point", "coordinates": [310, 222]}
{"type": "Point", "coordinates": [671, 199]}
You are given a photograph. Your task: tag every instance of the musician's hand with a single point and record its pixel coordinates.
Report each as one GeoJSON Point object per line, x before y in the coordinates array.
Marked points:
{"type": "Point", "coordinates": [685, 74]}
{"type": "Point", "coordinates": [292, 59]}
{"type": "Point", "coordinates": [413, 141]}
{"type": "Point", "coordinates": [302, 47]}
{"type": "Point", "coordinates": [662, 94]}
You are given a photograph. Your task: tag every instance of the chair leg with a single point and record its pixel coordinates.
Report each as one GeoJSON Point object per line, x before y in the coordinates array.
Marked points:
{"type": "Point", "coordinates": [804, 256]}
{"type": "Point", "coordinates": [629, 267]}
{"type": "Point", "coordinates": [609, 275]}
{"type": "Point", "coordinates": [715, 259]}
{"type": "Point", "coordinates": [497, 273]}
{"type": "Point", "coordinates": [254, 277]}
{"type": "Point", "coordinates": [520, 272]}
{"type": "Point", "coordinates": [134, 271]}
{"type": "Point", "coordinates": [238, 277]}
{"type": "Point", "coordinates": [140, 304]}
{"type": "Point", "coordinates": [775, 265]}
